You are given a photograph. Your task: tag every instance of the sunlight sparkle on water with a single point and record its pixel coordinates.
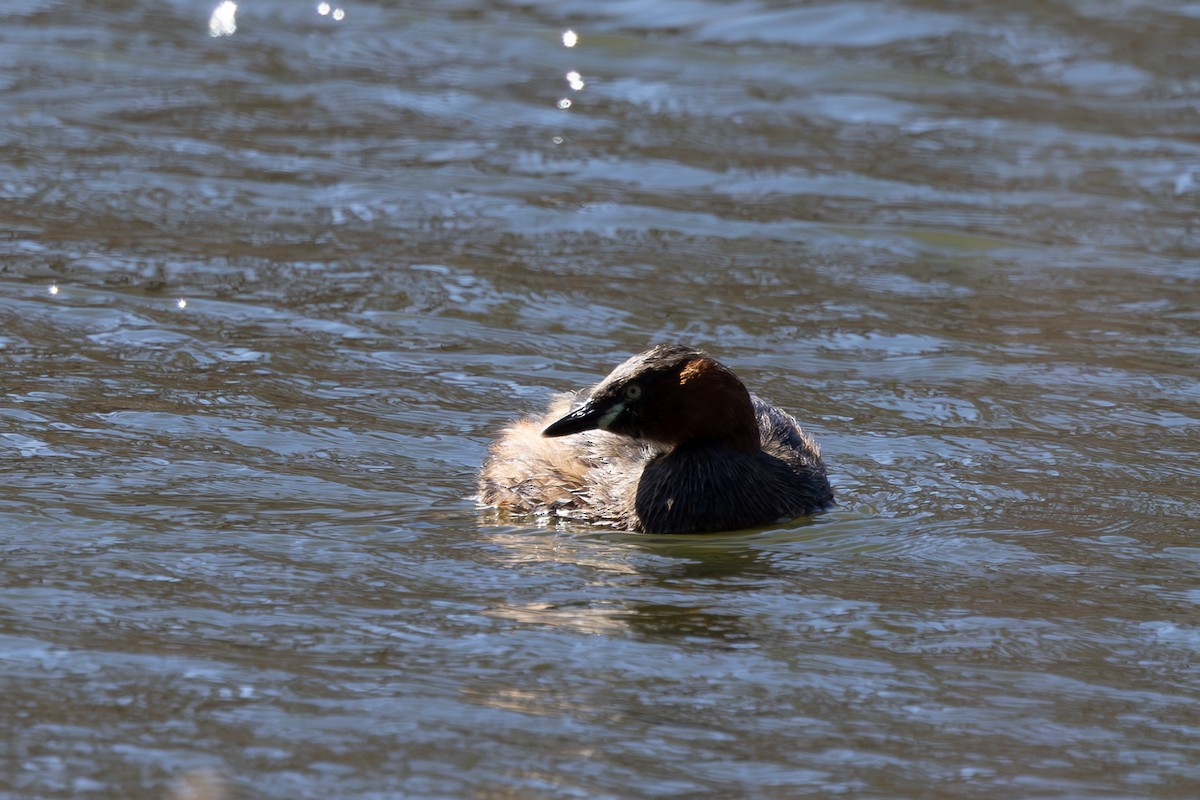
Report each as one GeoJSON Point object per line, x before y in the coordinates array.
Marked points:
{"type": "Point", "coordinates": [570, 38]}
{"type": "Point", "coordinates": [223, 21]}
{"type": "Point", "coordinates": [325, 10]}
{"type": "Point", "coordinates": [181, 303]}
{"type": "Point", "coordinates": [575, 80]}
{"type": "Point", "coordinates": [53, 290]}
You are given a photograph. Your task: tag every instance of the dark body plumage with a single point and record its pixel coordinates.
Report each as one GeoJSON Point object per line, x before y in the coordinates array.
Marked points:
{"type": "Point", "coordinates": [669, 442]}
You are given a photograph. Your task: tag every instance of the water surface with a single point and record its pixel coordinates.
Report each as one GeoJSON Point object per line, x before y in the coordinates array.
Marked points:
{"type": "Point", "coordinates": [265, 296]}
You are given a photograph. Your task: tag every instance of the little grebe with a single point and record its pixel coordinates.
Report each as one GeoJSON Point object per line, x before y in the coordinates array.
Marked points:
{"type": "Point", "coordinates": [669, 442]}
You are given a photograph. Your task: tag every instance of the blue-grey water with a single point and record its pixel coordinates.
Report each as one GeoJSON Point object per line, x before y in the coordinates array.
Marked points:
{"type": "Point", "coordinates": [270, 279]}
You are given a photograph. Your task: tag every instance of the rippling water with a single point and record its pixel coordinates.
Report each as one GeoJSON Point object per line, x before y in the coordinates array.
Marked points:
{"type": "Point", "coordinates": [265, 295]}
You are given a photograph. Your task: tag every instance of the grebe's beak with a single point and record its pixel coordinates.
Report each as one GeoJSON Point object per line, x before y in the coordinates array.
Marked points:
{"type": "Point", "coordinates": [589, 416]}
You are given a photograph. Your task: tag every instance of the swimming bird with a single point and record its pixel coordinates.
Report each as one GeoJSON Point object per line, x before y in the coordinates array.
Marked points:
{"type": "Point", "coordinates": [669, 442]}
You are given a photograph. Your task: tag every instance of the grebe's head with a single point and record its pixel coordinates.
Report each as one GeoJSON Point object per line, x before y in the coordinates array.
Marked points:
{"type": "Point", "coordinates": [669, 395]}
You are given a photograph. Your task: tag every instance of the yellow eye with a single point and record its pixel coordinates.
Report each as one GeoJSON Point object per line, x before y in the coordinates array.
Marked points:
{"type": "Point", "coordinates": [633, 391]}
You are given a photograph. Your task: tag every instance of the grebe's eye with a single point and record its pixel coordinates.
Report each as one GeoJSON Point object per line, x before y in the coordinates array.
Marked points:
{"type": "Point", "coordinates": [633, 391]}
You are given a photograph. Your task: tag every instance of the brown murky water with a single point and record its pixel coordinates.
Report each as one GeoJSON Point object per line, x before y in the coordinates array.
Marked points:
{"type": "Point", "coordinates": [265, 295]}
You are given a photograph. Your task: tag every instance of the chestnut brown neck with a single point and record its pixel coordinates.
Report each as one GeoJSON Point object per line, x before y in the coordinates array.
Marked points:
{"type": "Point", "coordinates": [705, 402]}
